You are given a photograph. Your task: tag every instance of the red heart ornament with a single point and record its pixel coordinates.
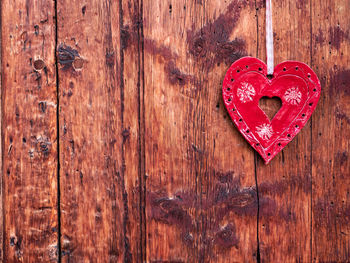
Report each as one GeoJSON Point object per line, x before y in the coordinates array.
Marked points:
{"type": "Point", "coordinates": [246, 82]}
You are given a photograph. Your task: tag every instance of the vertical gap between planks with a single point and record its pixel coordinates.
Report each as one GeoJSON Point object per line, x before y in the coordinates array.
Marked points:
{"type": "Point", "coordinates": [201, 254]}
{"type": "Point", "coordinates": [258, 212]}
{"type": "Point", "coordinates": [127, 252]}
{"type": "Point", "coordinates": [141, 132]}
{"type": "Point", "coordinates": [311, 128]}
{"type": "Point", "coordinates": [255, 153]}
{"type": "Point", "coordinates": [121, 21]}
{"type": "Point", "coordinates": [2, 217]}
{"type": "Point", "coordinates": [59, 249]}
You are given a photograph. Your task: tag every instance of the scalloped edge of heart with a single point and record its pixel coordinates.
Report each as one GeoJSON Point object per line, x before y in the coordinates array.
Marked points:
{"type": "Point", "coordinates": [250, 64]}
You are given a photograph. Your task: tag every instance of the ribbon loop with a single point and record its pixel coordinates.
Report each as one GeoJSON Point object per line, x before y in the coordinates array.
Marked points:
{"type": "Point", "coordinates": [269, 38]}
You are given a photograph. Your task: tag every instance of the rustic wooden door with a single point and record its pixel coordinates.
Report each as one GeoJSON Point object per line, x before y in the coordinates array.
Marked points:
{"type": "Point", "coordinates": [116, 146]}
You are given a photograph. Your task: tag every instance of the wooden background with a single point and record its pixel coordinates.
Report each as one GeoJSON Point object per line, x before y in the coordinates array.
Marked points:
{"type": "Point", "coordinates": [116, 146]}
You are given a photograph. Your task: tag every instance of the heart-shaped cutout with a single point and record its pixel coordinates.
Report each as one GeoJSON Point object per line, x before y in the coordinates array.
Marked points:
{"type": "Point", "coordinates": [270, 106]}
{"type": "Point", "coordinates": [246, 82]}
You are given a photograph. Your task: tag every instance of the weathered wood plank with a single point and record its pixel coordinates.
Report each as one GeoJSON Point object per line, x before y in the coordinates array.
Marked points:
{"type": "Point", "coordinates": [29, 132]}
{"type": "Point", "coordinates": [1, 180]}
{"type": "Point", "coordinates": [331, 132]}
{"type": "Point", "coordinates": [285, 183]}
{"type": "Point", "coordinates": [229, 210]}
{"type": "Point", "coordinates": [98, 131]}
{"type": "Point", "coordinates": [201, 198]}
{"type": "Point", "coordinates": [131, 124]}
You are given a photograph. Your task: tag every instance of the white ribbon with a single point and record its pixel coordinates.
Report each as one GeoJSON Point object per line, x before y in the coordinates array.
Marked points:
{"type": "Point", "coordinates": [269, 38]}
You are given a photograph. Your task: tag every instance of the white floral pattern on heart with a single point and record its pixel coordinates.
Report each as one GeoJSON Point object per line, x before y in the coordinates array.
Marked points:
{"type": "Point", "coordinates": [293, 96]}
{"type": "Point", "coordinates": [246, 92]}
{"type": "Point", "coordinates": [264, 131]}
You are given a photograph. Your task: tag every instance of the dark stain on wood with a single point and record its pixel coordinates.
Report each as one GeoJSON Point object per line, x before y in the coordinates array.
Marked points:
{"type": "Point", "coordinates": [163, 52]}
{"type": "Point", "coordinates": [342, 115]}
{"type": "Point", "coordinates": [170, 210]}
{"type": "Point", "coordinates": [66, 56]}
{"type": "Point", "coordinates": [280, 187]}
{"type": "Point", "coordinates": [341, 158]}
{"type": "Point", "coordinates": [167, 56]}
{"type": "Point", "coordinates": [36, 76]}
{"type": "Point", "coordinates": [301, 4]}
{"type": "Point", "coordinates": [228, 197]}
{"type": "Point", "coordinates": [125, 134]}
{"type": "Point", "coordinates": [340, 83]}
{"type": "Point", "coordinates": [43, 146]}
{"type": "Point", "coordinates": [110, 59]}
{"type": "Point", "coordinates": [226, 237]}
{"type": "Point", "coordinates": [125, 36]}
{"type": "Point", "coordinates": [320, 38]}
{"type": "Point", "coordinates": [337, 36]}
{"type": "Point", "coordinates": [211, 44]}
{"type": "Point", "coordinates": [176, 77]}
{"type": "Point", "coordinates": [16, 242]}
{"type": "Point", "coordinates": [325, 209]}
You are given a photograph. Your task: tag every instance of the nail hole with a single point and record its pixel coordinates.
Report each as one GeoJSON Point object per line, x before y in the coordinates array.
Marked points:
{"type": "Point", "coordinates": [228, 89]}
{"type": "Point", "coordinates": [39, 64]}
{"type": "Point", "coordinates": [296, 126]}
{"type": "Point", "coordinates": [233, 109]}
{"type": "Point", "coordinates": [269, 76]}
{"type": "Point", "coordinates": [288, 135]}
{"type": "Point", "coordinates": [303, 115]}
{"type": "Point", "coordinates": [24, 140]}
{"type": "Point", "coordinates": [260, 69]}
{"type": "Point", "coordinates": [310, 104]}
{"type": "Point", "coordinates": [83, 10]}
{"type": "Point", "coordinates": [232, 80]}
{"type": "Point", "coordinates": [248, 131]}
{"type": "Point", "coordinates": [284, 69]}
{"type": "Point", "coordinates": [279, 144]}
{"type": "Point", "coordinates": [78, 63]}
{"type": "Point", "coordinates": [269, 154]}
{"type": "Point", "coordinates": [315, 90]}
{"type": "Point", "coordinates": [238, 70]}
{"type": "Point", "coordinates": [309, 75]}
{"type": "Point", "coordinates": [240, 120]}
{"type": "Point", "coordinates": [296, 68]}
{"type": "Point", "coordinates": [258, 144]}
{"type": "Point", "coordinates": [246, 67]}
{"type": "Point", "coordinates": [229, 99]}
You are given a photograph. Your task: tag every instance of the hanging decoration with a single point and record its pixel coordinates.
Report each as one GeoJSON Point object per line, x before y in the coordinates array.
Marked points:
{"type": "Point", "coordinates": [249, 79]}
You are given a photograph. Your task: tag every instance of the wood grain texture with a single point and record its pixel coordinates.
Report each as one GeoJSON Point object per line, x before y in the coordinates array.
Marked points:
{"type": "Point", "coordinates": [330, 133]}
{"type": "Point", "coordinates": [1, 180]}
{"type": "Point", "coordinates": [285, 184]}
{"type": "Point", "coordinates": [98, 131]}
{"type": "Point", "coordinates": [146, 165]}
{"type": "Point", "coordinates": [201, 196]}
{"type": "Point", "coordinates": [29, 134]}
